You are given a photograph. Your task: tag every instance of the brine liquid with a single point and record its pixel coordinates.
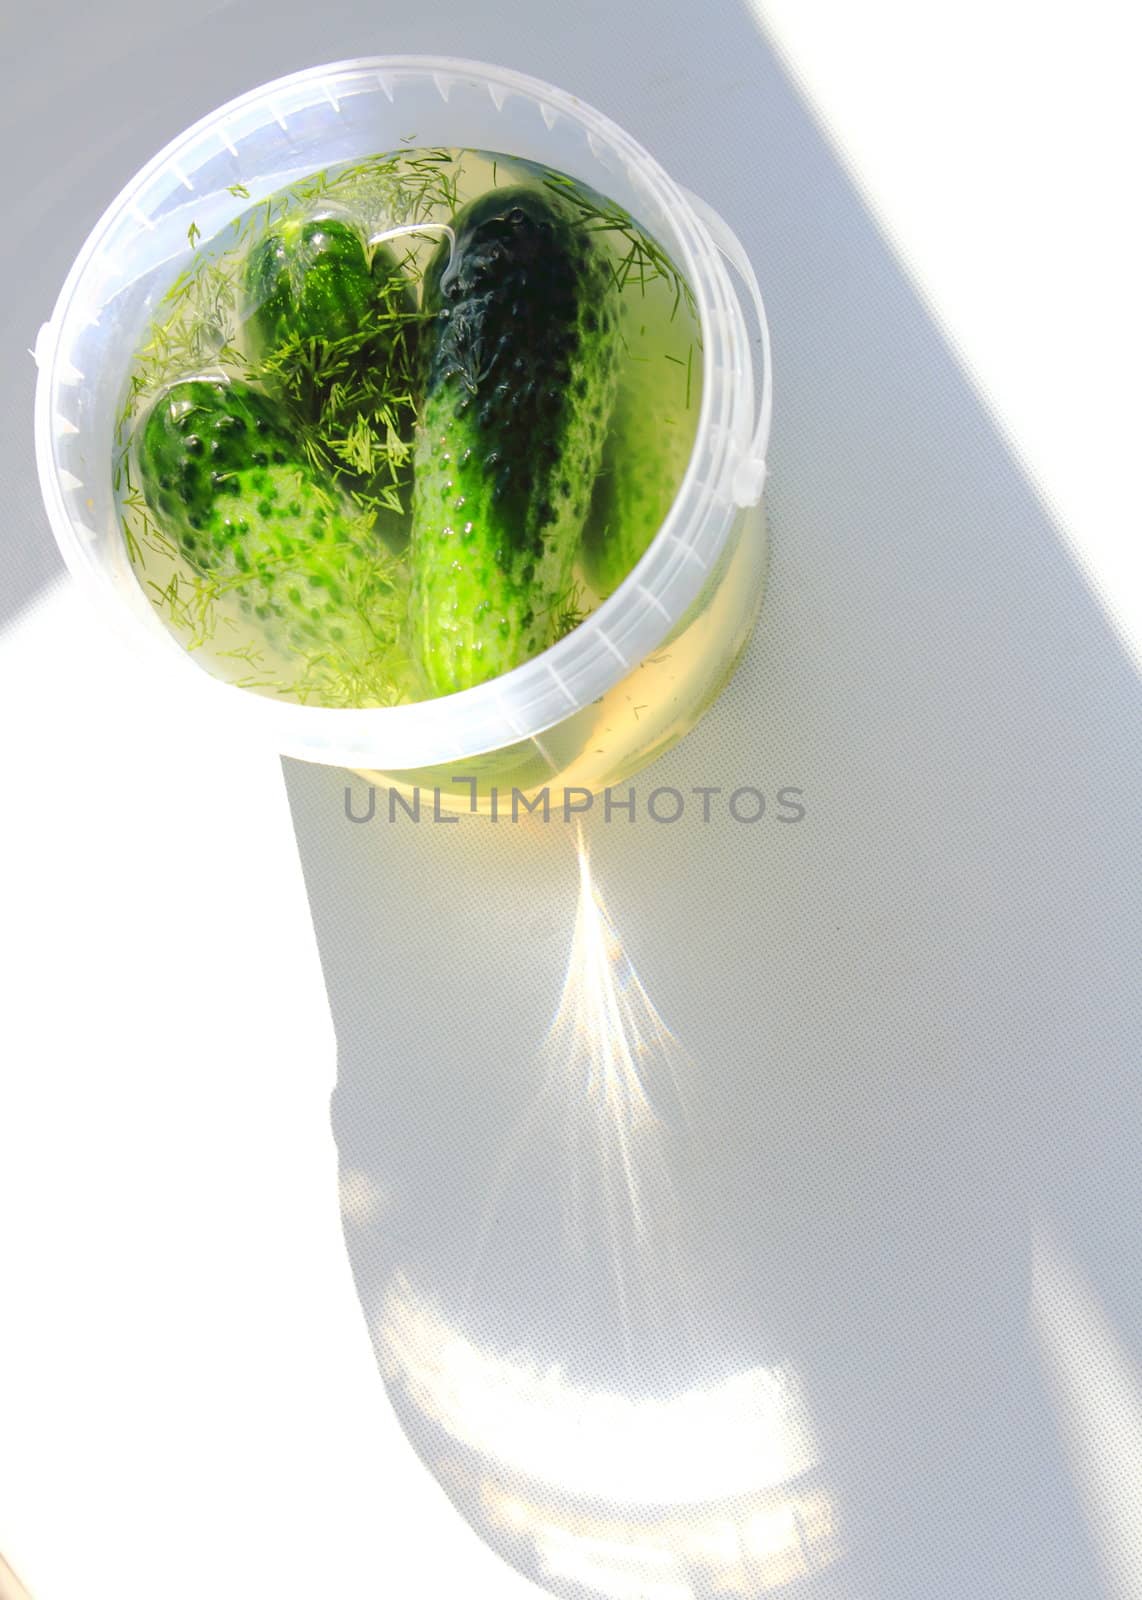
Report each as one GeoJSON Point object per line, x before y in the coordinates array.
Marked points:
{"type": "Point", "coordinates": [197, 331]}
{"type": "Point", "coordinates": [638, 719]}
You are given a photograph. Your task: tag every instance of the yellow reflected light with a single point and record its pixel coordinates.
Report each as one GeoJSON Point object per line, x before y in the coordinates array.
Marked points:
{"type": "Point", "coordinates": [634, 1064]}
{"type": "Point", "coordinates": [711, 1491]}
{"type": "Point", "coordinates": [707, 1488]}
{"type": "Point", "coordinates": [747, 1432]}
{"type": "Point", "coordinates": [619, 1077]}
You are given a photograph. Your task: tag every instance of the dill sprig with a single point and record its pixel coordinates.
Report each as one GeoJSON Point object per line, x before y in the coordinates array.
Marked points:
{"type": "Point", "coordinates": [354, 414]}
{"type": "Point", "coordinates": [395, 190]}
{"type": "Point", "coordinates": [644, 260]}
{"type": "Point", "coordinates": [569, 610]}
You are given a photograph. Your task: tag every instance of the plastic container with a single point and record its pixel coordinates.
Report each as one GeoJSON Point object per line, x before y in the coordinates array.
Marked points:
{"type": "Point", "coordinates": [638, 672]}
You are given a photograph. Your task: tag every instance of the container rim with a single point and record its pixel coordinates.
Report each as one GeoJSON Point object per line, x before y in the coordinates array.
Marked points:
{"type": "Point", "coordinates": [620, 632]}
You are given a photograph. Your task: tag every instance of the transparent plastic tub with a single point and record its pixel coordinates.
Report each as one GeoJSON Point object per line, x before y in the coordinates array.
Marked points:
{"type": "Point", "coordinates": [639, 671]}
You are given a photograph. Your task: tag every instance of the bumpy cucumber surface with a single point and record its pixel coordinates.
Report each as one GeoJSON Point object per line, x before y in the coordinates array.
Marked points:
{"type": "Point", "coordinates": [307, 278]}
{"type": "Point", "coordinates": [520, 361]}
{"type": "Point", "coordinates": [226, 481]}
{"type": "Point", "coordinates": [642, 470]}
{"type": "Point", "coordinates": [336, 333]}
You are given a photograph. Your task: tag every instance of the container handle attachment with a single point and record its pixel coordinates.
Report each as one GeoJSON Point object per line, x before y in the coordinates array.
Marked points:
{"type": "Point", "coordinates": [750, 472]}
{"type": "Point", "coordinates": [43, 341]}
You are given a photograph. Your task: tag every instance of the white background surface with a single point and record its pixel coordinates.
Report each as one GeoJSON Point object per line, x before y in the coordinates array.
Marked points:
{"type": "Point", "coordinates": [189, 1403]}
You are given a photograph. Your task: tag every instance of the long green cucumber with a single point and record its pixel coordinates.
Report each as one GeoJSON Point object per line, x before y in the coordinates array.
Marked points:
{"type": "Point", "coordinates": [520, 361]}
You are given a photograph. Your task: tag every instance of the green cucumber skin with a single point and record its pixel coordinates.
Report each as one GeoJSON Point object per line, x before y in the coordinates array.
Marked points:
{"type": "Point", "coordinates": [224, 478]}
{"type": "Point", "coordinates": [520, 365]}
{"type": "Point", "coordinates": [640, 475]}
{"type": "Point", "coordinates": [309, 281]}
{"type": "Point", "coordinates": [307, 278]}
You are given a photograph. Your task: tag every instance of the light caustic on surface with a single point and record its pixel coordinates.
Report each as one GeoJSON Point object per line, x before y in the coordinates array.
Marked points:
{"type": "Point", "coordinates": [588, 1475]}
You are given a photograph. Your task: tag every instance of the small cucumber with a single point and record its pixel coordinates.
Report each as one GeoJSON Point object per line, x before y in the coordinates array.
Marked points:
{"type": "Point", "coordinates": [520, 361]}
{"type": "Point", "coordinates": [336, 335]}
{"type": "Point", "coordinates": [641, 473]}
{"type": "Point", "coordinates": [225, 479]}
